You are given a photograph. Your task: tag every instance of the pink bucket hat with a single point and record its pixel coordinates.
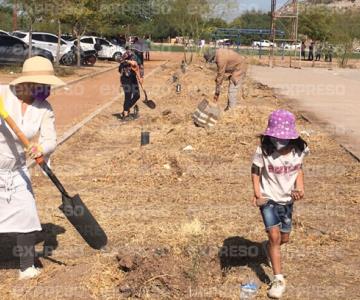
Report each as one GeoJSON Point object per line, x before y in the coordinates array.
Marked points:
{"type": "Point", "coordinates": [281, 125]}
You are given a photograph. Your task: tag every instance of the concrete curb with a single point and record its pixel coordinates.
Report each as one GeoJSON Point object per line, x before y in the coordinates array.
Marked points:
{"type": "Point", "coordinates": [346, 147]}
{"type": "Point", "coordinates": [351, 152]}
{"type": "Point", "coordinates": [70, 132]}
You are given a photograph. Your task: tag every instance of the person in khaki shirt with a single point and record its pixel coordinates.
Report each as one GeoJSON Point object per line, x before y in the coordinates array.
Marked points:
{"type": "Point", "coordinates": [231, 63]}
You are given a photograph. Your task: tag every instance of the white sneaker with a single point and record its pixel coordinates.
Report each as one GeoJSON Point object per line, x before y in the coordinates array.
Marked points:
{"type": "Point", "coordinates": [29, 273]}
{"type": "Point", "coordinates": [265, 246]}
{"type": "Point", "coordinates": [277, 289]}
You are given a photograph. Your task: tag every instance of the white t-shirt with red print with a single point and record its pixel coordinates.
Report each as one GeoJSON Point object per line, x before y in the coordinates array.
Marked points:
{"type": "Point", "coordinates": [278, 173]}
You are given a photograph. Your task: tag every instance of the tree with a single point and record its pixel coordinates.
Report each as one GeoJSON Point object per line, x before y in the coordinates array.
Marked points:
{"type": "Point", "coordinates": [316, 23]}
{"type": "Point", "coordinates": [5, 17]}
{"type": "Point", "coordinates": [252, 20]}
{"type": "Point", "coordinates": [344, 32]}
{"type": "Point", "coordinates": [211, 25]}
{"type": "Point", "coordinates": [79, 13]}
{"type": "Point", "coordinates": [191, 18]}
{"type": "Point", "coordinates": [127, 15]}
{"type": "Point", "coordinates": [51, 20]}
{"type": "Point", "coordinates": [31, 11]}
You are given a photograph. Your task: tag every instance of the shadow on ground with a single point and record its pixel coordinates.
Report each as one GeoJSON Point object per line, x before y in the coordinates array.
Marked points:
{"type": "Point", "coordinates": [120, 117]}
{"type": "Point", "coordinates": [239, 251]}
{"type": "Point", "coordinates": [48, 236]}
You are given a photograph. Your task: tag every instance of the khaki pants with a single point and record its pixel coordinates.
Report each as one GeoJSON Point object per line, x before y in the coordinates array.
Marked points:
{"type": "Point", "coordinates": [233, 93]}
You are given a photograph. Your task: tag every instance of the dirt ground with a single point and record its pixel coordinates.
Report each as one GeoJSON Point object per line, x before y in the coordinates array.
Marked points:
{"type": "Point", "coordinates": [179, 222]}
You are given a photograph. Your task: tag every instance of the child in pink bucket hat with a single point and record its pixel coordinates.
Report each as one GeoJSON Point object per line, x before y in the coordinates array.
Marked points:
{"type": "Point", "coordinates": [281, 125]}
{"type": "Point", "coordinates": [278, 181]}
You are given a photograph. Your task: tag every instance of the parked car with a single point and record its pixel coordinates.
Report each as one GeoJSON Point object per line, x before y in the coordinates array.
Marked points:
{"type": "Point", "coordinates": [288, 46]}
{"type": "Point", "coordinates": [47, 41]}
{"type": "Point", "coordinates": [224, 42]}
{"type": "Point", "coordinates": [264, 44]}
{"type": "Point", "coordinates": [2, 32]}
{"type": "Point", "coordinates": [19, 34]}
{"type": "Point", "coordinates": [106, 49]}
{"type": "Point", "coordinates": [15, 51]}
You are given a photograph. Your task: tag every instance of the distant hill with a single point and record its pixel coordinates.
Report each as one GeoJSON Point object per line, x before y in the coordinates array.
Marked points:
{"type": "Point", "coordinates": [335, 3]}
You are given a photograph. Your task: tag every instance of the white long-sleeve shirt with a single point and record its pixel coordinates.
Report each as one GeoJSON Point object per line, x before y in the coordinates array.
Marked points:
{"type": "Point", "coordinates": [38, 119]}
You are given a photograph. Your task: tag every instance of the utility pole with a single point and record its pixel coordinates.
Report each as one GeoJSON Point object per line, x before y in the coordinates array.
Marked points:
{"type": "Point", "coordinates": [273, 32]}
{"type": "Point", "coordinates": [15, 15]}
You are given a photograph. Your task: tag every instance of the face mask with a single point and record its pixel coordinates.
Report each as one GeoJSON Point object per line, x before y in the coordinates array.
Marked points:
{"type": "Point", "coordinates": [41, 92]}
{"type": "Point", "coordinates": [279, 144]}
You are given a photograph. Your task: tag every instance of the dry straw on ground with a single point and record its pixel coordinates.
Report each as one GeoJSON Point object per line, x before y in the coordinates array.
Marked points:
{"type": "Point", "coordinates": [180, 223]}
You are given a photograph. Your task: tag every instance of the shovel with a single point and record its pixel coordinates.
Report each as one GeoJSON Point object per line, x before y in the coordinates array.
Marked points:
{"type": "Point", "coordinates": [149, 103]}
{"type": "Point", "coordinates": [73, 208]}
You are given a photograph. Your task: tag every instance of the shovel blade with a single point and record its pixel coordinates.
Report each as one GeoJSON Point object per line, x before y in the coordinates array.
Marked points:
{"type": "Point", "coordinates": [150, 104]}
{"type": "Point", "coordinates": [81, 218]}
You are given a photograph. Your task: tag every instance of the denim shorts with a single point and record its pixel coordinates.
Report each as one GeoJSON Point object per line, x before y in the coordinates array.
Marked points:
{"type": "Point", "coordinates": [275, 214]}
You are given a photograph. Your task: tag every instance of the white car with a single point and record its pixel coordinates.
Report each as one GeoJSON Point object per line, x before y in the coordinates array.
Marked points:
{"type": "Point", "coordinates": [224, 42]}
{"type": "Point", "coordinates": [288, 46]}
{"type": "Point", "coordinates": [264, 44]}
{"type": "Point", "coordinates": [108, 49]}
{"type": "Point", "coordinates": [47, 41]}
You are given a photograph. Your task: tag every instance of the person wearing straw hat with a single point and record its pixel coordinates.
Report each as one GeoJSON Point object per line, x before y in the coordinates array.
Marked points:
{"type": "Point", "coordinates": [25, 101]}
{"type": "Point", "coordinates": [278, 182]}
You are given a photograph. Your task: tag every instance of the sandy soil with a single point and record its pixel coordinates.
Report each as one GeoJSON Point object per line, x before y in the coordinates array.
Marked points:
{"type": "Point", "coordinates": [180, 223]}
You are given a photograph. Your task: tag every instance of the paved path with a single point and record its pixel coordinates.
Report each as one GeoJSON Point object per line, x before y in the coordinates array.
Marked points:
{"type": "Point", "coordinates": [74, 102]}
{"type": "Point", "coordinates": [332, 96]}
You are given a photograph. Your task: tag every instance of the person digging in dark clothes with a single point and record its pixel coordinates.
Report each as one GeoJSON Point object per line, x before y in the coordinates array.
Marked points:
{"type": "Point", "coordinates": [129, 79]}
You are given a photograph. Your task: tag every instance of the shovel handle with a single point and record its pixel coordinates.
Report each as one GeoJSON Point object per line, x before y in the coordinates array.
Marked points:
{"type": "Point", "coordinates": [40, 160]}
{"type": "Point", "coordinates": [21, 136]}
{"type": "Point", "coordinates": [142, 87]}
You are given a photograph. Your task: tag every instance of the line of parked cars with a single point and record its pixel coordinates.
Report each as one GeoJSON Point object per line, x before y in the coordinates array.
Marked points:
{"type": "Point", "coordinates": [14, 48]}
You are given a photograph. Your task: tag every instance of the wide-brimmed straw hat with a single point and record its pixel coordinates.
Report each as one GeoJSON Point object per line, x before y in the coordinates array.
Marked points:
{"type": "Point", "coordinates": [38, 69]}
{"type": "Point", "coordinates": [281, 125]}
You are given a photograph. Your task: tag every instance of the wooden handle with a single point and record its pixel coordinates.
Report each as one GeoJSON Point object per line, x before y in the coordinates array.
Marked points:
{"type": "Point", "coordinates": [21, 136]}
{"type": "Point", "coordinates": [135, 67]}
{"type": "Point", "coordinates": [138, 77]}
